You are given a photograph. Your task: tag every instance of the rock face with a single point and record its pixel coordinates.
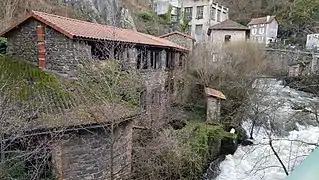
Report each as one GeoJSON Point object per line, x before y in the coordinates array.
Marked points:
{"type": "Point", "coordinates": [108, 12]}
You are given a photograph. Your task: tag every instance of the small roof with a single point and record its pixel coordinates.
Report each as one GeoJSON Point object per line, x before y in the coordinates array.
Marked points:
{"type": "Point", "coordinates": [261, 20]}
{"type": "Point", "coordinates": [229, 25]}
{"type": "Point", "coordinates": [214, 93]}
{"type": "Point", "coordinates": [74, 29]}
{"type": "Point", "coordinates": [179, 33]}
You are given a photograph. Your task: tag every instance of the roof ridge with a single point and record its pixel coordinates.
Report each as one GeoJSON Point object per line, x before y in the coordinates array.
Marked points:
{"type": "Point", "coordinates": [177, 32]}
{"type": "Point", "coordinates": [75, 20]}
{"type": "Point", "coordinates": [157, 38]}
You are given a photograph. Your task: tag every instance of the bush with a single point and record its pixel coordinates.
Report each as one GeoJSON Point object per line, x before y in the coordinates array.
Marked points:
{"type": "Point", "coordinates": [146, 15]}
{"type": "Point", "coordinates": [178, 154]}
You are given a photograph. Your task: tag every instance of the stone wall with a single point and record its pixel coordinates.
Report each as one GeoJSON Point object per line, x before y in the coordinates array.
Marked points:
{"type": "Point", "coordinates": [64, 55]}
{"type": "Point", "coordinates": [181, 40]}
{"type": "Point", "coordinates": [22, 42]}
{"type": "Point", "coordinates": [279, 60]}
{"type": "Point", "coordinates": [213, 110]}
{"type": "Point", "coordinates": [87, 155]}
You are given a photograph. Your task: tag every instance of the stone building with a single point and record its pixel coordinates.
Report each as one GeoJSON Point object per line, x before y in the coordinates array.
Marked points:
{"type": "Point", "coordinates": [61, 45]}
{"type": "Point", "coordinates": [181, 39]}
{"type": "Point", "coordinates": [213, 105]}
{"type": "Point", "coordinates": [263, 30]}
{"type": "Point", "coordinates": [228, 31]}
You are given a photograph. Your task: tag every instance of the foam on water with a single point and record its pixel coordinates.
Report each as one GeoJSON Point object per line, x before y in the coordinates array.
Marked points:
{"type": "Point", "coordinates": [258, 161]}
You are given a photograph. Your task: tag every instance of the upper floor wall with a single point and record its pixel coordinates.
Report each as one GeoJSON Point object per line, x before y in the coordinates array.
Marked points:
{"type": "Point", "coordinates": [221, 37]}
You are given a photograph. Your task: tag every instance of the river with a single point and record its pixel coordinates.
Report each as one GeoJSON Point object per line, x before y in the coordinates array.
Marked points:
{"type": "Point", "coordinates": [258, 162]}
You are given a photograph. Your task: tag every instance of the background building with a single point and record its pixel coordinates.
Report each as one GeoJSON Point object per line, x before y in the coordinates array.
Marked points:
{"type": "Point", "coordinates": [199, 15]}
{"type": "Point", "coordinates": [228, 31]}
{"type": "Point", "coordinates": [312, 42]}
{"type": "Point", "coordinates": [263, 30]}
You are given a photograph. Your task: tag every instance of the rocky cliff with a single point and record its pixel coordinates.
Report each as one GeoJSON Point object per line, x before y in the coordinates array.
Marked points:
{"type": "Point", "coordinates": [111, 12]}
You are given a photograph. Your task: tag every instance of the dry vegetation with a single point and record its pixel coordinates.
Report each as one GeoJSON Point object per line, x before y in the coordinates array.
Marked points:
{"type": "Point", "coordinates": [186, 153]}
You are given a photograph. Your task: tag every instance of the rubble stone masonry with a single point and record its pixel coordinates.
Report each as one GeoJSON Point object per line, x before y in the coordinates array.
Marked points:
{"type": "Point", "coordinates": [87, 155]}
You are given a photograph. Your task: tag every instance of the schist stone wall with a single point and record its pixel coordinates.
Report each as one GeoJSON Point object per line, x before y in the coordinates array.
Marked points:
{"type": "Point", "coordinates": [64, 55]}
{"type": "Point", "coordinates": [22, 42]}
{"type": "Point", "coordinates": [88, 155]}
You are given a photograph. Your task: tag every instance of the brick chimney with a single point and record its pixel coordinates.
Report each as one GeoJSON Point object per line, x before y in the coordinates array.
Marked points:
{"type": "Point", "coordinates": [41, 46]}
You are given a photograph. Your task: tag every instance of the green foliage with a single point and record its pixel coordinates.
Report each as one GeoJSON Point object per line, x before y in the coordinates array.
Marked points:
{"type": "Point", "coordinates": [15, 168]}
{"type": "Point", "coordinates": [149, 22]}
{"type": "Point", "coordinates": [167, 17]}
{"type": "Point", "coordinates": [184, 25]}
{"type": "Point", "coordinates": [27, 79]}
{"type": "Point", "coordinates": [146, 15]}
{"type": "Point", "coordinates": [299, 19]}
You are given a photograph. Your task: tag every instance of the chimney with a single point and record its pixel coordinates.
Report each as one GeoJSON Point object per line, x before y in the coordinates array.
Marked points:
{"type": "Point", "coordinates": [268, 18]}
{"type": "Point", "coordinates": [41, 46]}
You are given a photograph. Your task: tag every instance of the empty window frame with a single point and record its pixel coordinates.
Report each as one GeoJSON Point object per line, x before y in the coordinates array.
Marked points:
{"type": "Point", "coordinates": [188, 13]}
{"type": "Point", "coordinates": [200, 12]}
{"type": "Point", "coordinates": [227, 38]}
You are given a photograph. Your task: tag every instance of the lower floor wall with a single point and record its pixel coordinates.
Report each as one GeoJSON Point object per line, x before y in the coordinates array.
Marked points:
{"type": "Point", "coordinates": [95, 154]}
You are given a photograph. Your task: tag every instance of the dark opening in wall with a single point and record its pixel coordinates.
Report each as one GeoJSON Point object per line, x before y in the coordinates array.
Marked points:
{"type": "Point", "coordinates": [143, 100]}
{"type": "Point", "coordinates": [227, 38]}
{"type": "Point", "coordinates": [99, 51]}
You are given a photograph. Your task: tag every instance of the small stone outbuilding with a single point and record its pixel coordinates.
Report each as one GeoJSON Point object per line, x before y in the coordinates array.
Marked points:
{"type": "Point", "coordinates": [214, 98]}
{"type": "Point", "coordinates": [181, 39]}
{"type": "Point", "coordinates": [228, 31]}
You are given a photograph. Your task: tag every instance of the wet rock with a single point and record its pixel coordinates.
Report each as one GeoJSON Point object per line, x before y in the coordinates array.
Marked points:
{"type": "Point", "coordinates": [246, 142]}
{"type": "Point", "coordinates": [229, 146]}
{"type": "Point", "coordinates": [213, 170]}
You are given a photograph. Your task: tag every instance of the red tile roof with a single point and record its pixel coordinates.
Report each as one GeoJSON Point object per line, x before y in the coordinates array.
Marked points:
{"type": "Point", "coordinates": [261, 20]}
{"type": "Point", "coordinates": [179, 33]}
{"type": "Point", "coordinates": [214, 93]}
{"type": "Point", "coordinates": [74, 29]}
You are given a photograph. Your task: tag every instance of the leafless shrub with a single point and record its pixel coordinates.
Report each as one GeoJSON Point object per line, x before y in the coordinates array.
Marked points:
{"type": "Point", "coordinates": [231, 69]}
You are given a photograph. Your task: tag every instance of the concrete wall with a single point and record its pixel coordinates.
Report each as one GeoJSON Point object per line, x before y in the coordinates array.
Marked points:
{"type": "Point", "coordinates": [87, 154]}
{"type": "Point", "coordinates": [161, 7]}
{"type": "Point", "coordinates": [207, 20]}
{"type": "Point", "coordinates": [218, 36]}
{"type": "Point", "coordinates": [22, 42]}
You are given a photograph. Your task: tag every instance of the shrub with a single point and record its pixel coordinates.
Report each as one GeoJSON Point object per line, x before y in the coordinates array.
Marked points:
{"type": "Point", "coordinates": [146, 15]}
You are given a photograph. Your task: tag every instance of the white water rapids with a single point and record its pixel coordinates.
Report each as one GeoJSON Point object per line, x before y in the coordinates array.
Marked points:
{"type": "Point", "coordinates": [258, 162]}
